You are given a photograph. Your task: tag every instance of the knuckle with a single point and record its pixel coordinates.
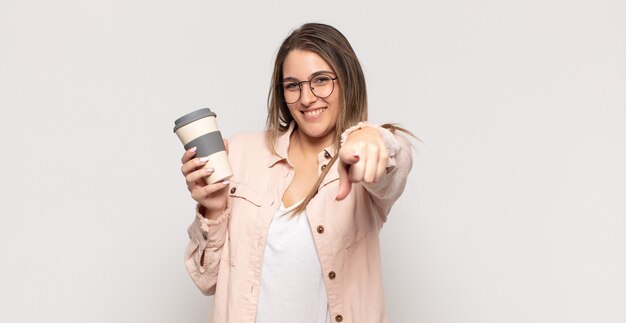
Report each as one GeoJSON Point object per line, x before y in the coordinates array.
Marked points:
{"type": "Point", "coordinates": [199, 163]}
{"type": "Point", "coordinates": [186, 156]}
{"type": "Point", "coordinates": [201, 194]}
{"type": "Point", "coordinates": [384, 159]}
{"type": "Point", "coordinates": [209, 190]}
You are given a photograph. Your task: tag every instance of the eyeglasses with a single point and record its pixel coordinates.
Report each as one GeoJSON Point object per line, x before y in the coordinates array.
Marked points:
{"type": "Point", "coordinates": [321, 86]}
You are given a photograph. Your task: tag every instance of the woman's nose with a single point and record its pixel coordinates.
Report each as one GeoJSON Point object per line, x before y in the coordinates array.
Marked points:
{"type": "Point", "coordinates": [306, 96]}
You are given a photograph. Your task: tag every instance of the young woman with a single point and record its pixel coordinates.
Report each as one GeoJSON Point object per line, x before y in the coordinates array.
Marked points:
{"type": "Point", "coordinates": [293, 236]}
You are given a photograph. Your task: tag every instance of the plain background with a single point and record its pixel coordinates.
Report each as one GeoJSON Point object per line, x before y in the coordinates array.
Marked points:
{"type": "Point", "coordinates": [515, 210]}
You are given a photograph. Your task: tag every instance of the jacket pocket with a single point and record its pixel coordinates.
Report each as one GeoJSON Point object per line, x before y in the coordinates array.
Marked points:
{"type": "Point", "coordinates": [241, 192]}
{"type": "Point", "coordinates": [352, 216]}
{"type": "Point", "coordinates": [245, 205]}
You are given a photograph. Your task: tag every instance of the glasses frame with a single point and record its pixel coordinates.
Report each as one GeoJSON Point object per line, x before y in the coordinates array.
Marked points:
{"type": "Point", "coordinates": [282, 86]}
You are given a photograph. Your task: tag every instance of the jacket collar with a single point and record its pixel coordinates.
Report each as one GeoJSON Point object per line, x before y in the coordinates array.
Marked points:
{"type": "Point", "coordinates": [281, 146]}
{"type": "Point", "coordinates": [282, 149]}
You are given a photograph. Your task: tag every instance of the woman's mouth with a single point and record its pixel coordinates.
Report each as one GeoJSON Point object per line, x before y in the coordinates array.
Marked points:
{"type": "Point", "coordinates": [313, 114]}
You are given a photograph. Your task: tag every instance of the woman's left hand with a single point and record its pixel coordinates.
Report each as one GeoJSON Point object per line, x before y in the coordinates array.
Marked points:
{"type": "Point", "coordinates": [362, 158]}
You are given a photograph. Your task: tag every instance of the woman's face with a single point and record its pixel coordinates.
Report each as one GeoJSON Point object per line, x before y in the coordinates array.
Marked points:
{"type": "Point", "coordinates": [316, 117]}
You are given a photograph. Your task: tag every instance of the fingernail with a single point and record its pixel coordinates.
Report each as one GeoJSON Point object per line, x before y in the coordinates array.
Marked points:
{"type": "Point", "coordinates": [226, 182]}
{"type": "Point", "coordinates": [209, 170]}
{"type": "Point", "coordinates": [192, 149]}
{"type": "Point", "coordinates": [204, 159]}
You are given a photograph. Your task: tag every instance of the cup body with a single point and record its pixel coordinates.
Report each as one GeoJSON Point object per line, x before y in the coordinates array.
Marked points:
{"type": "Point", "coordinates": [199, 129]}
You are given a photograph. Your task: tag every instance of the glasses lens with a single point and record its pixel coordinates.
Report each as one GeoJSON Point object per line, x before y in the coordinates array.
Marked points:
{"type": "Point", "coordinates": [291, 91]}
{"type": "Point", "coordinates": [322, 86]}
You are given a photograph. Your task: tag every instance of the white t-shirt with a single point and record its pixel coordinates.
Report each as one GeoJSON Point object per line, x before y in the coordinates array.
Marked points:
{"type": "Point", "coordinates": [292, 285]}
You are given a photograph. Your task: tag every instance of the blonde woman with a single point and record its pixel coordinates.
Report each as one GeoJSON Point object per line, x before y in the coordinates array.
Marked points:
{"type": "Point", "coordinates": [293, 236]}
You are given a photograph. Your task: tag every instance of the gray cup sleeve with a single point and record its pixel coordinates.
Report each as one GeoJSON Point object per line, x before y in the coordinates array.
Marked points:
{"type": "Point", "coordinates": [207, 144]}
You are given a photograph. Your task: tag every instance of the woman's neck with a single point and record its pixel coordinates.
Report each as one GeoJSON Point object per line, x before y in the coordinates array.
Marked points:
{"type": "Point", "coordinates": [309, 146]}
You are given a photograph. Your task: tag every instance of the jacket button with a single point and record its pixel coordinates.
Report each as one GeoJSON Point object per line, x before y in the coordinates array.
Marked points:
{"type": "Point", "coordinates": [339, 318]}
{"type": "Point", "coordinates": [332, 275]}
{"type": "Point", "coordinates": [326, 154]}
{"type": "Point", "coordinates": [320, 229]}
{"type": "Point", "coordinates": [323, 166]}
{"type": "Point", "coordinates": [233, 190]}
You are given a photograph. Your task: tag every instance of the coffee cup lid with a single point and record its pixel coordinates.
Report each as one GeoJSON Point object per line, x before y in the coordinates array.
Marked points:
{"type": "Point", "coordinates": [193, 116]}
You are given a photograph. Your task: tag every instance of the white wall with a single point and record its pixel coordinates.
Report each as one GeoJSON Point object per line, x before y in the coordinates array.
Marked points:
{"type": "Point", "coordinates": [515, 210]}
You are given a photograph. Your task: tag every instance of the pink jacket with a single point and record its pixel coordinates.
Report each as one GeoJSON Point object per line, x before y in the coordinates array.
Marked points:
{"type": "Point", "coordinates": [346, 232]}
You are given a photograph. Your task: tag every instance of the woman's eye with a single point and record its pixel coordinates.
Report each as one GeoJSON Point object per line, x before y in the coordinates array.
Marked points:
{"type": "Point", "coordinates": [322, 79]}
{"type": "Point", "coordinates": [291, 86]}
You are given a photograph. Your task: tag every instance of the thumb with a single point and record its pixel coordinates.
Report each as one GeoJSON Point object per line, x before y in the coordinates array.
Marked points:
{"type": "Point", "coordinates": [226, 145]}
{"type": "Point", "coordinates": [344, 182]}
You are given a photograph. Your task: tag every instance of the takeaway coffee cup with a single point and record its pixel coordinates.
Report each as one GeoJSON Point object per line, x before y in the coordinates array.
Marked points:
{"type": "Point", "coordinates": [199, 129]}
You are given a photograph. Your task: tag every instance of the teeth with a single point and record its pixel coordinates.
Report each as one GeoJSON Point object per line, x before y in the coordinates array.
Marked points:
{"type": "Point", "coordinates": [313, 113]}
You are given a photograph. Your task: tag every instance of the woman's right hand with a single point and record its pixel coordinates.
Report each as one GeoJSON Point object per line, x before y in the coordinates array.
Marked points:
{"type": "Point", "coordinates": [212, 197]}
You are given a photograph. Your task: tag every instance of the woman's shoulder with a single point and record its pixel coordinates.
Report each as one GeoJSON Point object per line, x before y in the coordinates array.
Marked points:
{"type": "Point", "coordinates": [250, 142]}
{"type": "Point", "coordinates": [247, 153]}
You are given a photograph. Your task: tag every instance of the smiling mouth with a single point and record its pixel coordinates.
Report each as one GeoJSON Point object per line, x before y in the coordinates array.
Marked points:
{"type": "Point", "coordinates": [313, 113]}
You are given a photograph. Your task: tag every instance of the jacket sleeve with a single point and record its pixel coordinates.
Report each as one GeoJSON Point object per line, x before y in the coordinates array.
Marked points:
{"type": "Point", "coordinates": [384, 193]}
{"type": "Point", "coordinates": [204, 250]}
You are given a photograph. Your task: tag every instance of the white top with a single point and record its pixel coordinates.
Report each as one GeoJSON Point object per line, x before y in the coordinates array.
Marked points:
{"type": "Point", "coordinates": [292, 285]}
